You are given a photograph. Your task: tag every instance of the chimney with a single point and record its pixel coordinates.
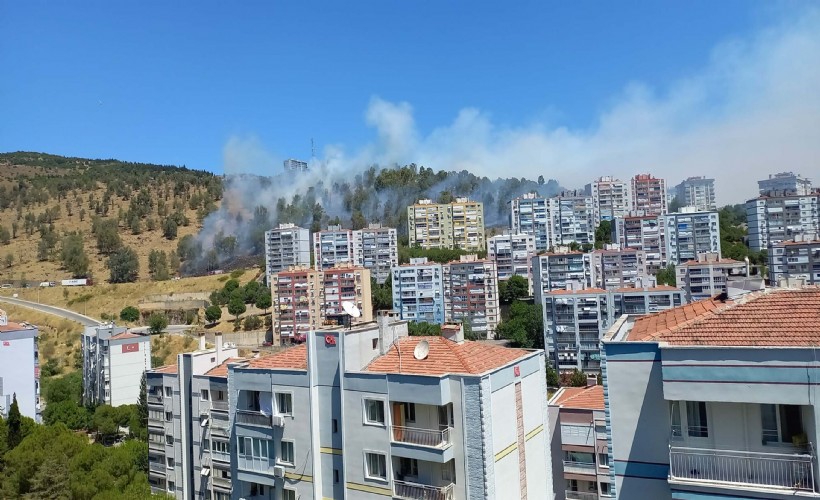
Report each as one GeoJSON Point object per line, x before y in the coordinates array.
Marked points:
{"type": "Point", "coordinates": [202, 341]}
{"type": "Point", "coordinates": [592, 380]}
{"type": "Point", "coordinates": [453, 331]}
{"type": "Point", "coordinates": [218, 341]}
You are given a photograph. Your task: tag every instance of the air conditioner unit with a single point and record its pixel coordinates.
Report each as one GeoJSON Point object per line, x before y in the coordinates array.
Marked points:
{"type": "Point", "coordinates": [278, 471]}
{"type": "Point", "coordinates": [278, 421]}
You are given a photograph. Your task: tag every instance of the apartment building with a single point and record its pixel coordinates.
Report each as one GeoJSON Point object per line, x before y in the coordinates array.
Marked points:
{"type": "Point", "coordinates": [559, 270]}
{"type": "Point", "coordinates": [778, 218]}
{"type": "Point", "coordinates": [333, 247]}
{"type": "Point", "coordinates": [189, 432]}
{"type": "Point", "coordinates": [368, 413]}
{"type": "Point", "coordinates": [798, 259]}
{"type": "Point", "coordinates": [647, 299]}
{"type": "Point", "coordinates": [19, 368]}
{"type": "Point", "coordinates": [512, 254]}
{"type": "Point", "coordinates": [418, 291]}
{"type": "Point", "coordinates": [528, 215]}
{"type": "Point", "coordinates": [292, 165]}
{"type": "Point", "coordinates": [616, 268]}
{"type": "Point", "coordinates": [648, 195]}
{"type": "Point", "coordinates": [610, 198]}
{"type": "Point", "coordinates": [642, 233]}
{"type": "Point", "coordinates": [785, 183]}
{"type": "Point", "coordinates": [296, 303]}
{"type": "Point", "coordinates": [688, 233]}
{"type": "Point", "coordinates": [708, 275]}
{"type": "Point", "coordinates": [459, 224]}
{"type": "Point", "coordinates": [572, 219]}
{"type": "Point", "coordinates": [376, 248]}
{"type": "Point", "coordinates": [698, 192]}
{"type": "Point", "coordinates": [114, 361]}
{"type": "Point", "coordinates": [715, 399]}
{"type": "Point", "coordinates": [346, 284]}
{"type": "Point", "coordinates": [471, 294]}
{"type": "Point", "coordinates": [285, 247]}
{"type": "Point", "coordinates": [580, 454]}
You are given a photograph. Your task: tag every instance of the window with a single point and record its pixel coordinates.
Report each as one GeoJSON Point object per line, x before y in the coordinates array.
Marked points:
{"type": "Point", "coordinates": [605, 489]}
{"type": "Point", "coordinates": [288, 494]}
{"type": "Point", "coordinates": [603, 460]}
{"type": "Point", "coordinates": [445, 415]}
{"type": "Point", "coordinates": [206, 444]}
{"type": "Point", "coordinates": [697, 424]}
{"type": "Point", "coordinates": [253, 400]}
{"type": "Point", "coordinates": [409, 412]}
{"type": "Point", "coordinates": [169, 440]}
{"type": "Point", "coordinates": [675, 419]}
{"type": "Point", "coordinates": [220, 395]}
{"type": "Point", "coordinates": [170, 462]}
{"type": "Point", "coordinates": [169, 415]}
{"type": "Point", "coordinates": [284, 403]}
{"type": "Point", "coordinates": [220, 447]}
{"type": "Point", "coordinates": [375, 343]}
{"type": "Point", "coordinates": [374, 411]}
{"type": "Point", "coordinates": [408, 467]}
{"type": "Point", "coordinates": [286, 455]}
{"type": "Point", "coordinates": [335, 426]}
{"type": "Point", "coordinates": [171, 486]}
{"type": "Point", "coordinates": [204, 394]}
{"type": "Point", "coordinates": [257, 489]}
{"type": "Point", "coordinates": [253, 447]}
{"type": "Point", "coordinates": [375, 466]}
{"type": "Point", "coordinates": [780, 423]}
{"type": "Point", "coordinates": [336, 476]}
{"type": "Point", "coordinates": [448, 471]}
{"type": "Point", "coordinates": [169, 391]}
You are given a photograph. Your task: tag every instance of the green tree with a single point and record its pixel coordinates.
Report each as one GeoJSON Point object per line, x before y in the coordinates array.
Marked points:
{"type": "Point", "coordinates": [124, 266]}
{"type": "Point", "coordinates": [157, 323]}
{"type": "Point", "coordinates": [9, 260]}
{"type": "Point", "coordinates": [213, 313]}
{"type": "Point", "coordinates": [603, 234]}
{"type": "Point", "coordinates": [666, 276]}
{"type": "Point", "coordinates": [517, 287]}
{"type": "Point", "coordinates": [577, 378]}
{"type": "Point", "coordinates": [130, 314]}
{"type": "Point", "coordinates": [106, 421]}
{"type": "Point", "coordinates": [73, 256]}
{"type": "Point", "coordinates": [74, 416]}
{"type": "Point", "coordinates": [15, 422]}
{"type": "Point", "coordinates": [66, 388]}
{"type": "Point", "coordinates": [381, 296]}
{"type": "Point", "coordinates": [169, 228]}
{"type": "Point", "coordinates": [236, 306]}
{"type": "Point", "coordinates": [552, 377]}
{"type": "Point", "coordinates": [231, 285]}
{"type": "Point", "coordinates": [250, 291]}
{"type": "Point", "coordinates": [158, 265]}
{"type": "Point", "coordinates": [423, 329]}
{"type": "Point", "coordinates": [263, 299]}
{"type": "Point", "coordinates": [252, 323]}
{"type": "Point", "coordinates": [107, 235]}
{"type": "Point", "coordinates": [5, 236]}
{"type": "Point", "coordinates": [524, 327]}
{"type": "Point", "coordinates": [142, 405]}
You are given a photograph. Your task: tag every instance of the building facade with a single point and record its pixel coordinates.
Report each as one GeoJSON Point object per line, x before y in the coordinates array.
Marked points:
{"type": "Point", "coordinates": [642, 233]}
{"type": "Point", "coordinates": [698, 192]}
{"type": "Point", "coordinates": [376, 248]}
{"type": "Point", "coordinates": [471, 294]}
{"type": "Point", "coordinates": [512, 254]}
{"type": "Point", "coordinates": [610, 198]}
{"type": "Point", "coordinates": [285, 247]}
{"type": "Point", "coordinates": [114, 361]}
{"type": "Point", "coordinates": [688, 233]}
{"type": "Point", "coordinates": [711, 399]}
{"type": "Point", "coordinates": [459, 224]}
{"type": "Point", "coordinates": [785, 183]}
{"type": "Point", "coordinates": [19, 368]}
{"type": "Point", "coordinates": [648, 195]}
{"type": "Point", "coordinates": [799, 259]}
{"type": "Point", "coordinates": [292, 165]}
{"type": "Point", "coordinates": [615, 268]}
{"type": "Point", "coordinates": [528, 215]}
{"type": "Point", "coordinates": [560, 270]}
{"type": "Point", "coordinates": [418, 291]}
{"type": "Point", "coordinates": [333, 247]}
{"type": "Point", "coordinates": [708, 275]}
{"type": "Point", "coordinates": [346, 284]}
{"type": "Point", "coordinates": [572, 219]}
{"type": "Point", "coordinates": [296, 303]}
{"type": "Point", "coordinates": [775, 219]}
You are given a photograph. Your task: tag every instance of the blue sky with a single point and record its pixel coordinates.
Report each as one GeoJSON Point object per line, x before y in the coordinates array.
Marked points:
{"type": "Point", "coordinates": [178, 83]}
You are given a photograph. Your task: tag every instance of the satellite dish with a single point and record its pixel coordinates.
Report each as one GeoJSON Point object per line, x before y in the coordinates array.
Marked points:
{"type": "Point", "coordinates": [351, 309]}
{"type": "Point", "coordinates": [422, 350]}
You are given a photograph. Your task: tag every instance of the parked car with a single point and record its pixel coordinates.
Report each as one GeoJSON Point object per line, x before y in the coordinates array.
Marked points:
{"type": "Point", "coordinates": [6, 285]}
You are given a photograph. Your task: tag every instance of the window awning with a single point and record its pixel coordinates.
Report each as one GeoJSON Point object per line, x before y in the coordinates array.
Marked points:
{"type": "Point", "coordinates": [205, 471]}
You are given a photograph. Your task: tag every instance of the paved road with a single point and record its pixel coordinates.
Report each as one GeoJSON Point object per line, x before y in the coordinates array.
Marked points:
{"type": "Point", "coordinates": [172, 329]}
{"type": "Point", "coordinates": [56, 311]}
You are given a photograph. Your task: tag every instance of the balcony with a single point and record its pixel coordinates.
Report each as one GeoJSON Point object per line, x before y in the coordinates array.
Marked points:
{"type": "Point", "coordinates": [572, 467]}
{"type": "Point", "coordinates": [156, 445]}
{"type": "Point", "coordinates": [772, 470]}
{"type": "Point", "coordinates": [251, 417]}
{"type": "Point", "coordinates": [221, 482]}
{"type": "Point", "coordinates": [415, 491]}
{"type": "Point", "coordinates": [422, 437]}
{"type": "Point", "coordinates": [157, 467]}
{"type": "Point", "coordinates": [580, 495]}
{"type": "Point", "coordinates": [219, 405]}
{"type": "Point", "coordinates": [154, 399]}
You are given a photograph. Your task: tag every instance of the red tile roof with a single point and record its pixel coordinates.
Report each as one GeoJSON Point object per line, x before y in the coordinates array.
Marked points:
{"type": "Point", "coordinates": [577, 292]}
{"type": "Point", "coordinates": [773, 317]}
{"type": "Point", "coordinates": [165, 369]}
{"type": "Point", "coordinates": [293, 358]}
{"type": "Point", "coordinates": [445, 356]}
{"type": "Point", "coordinates": [222, 370]}
{"type": "Point", "coordinates": [12, 327]}
{"type": "Point", "coordinates": [582, 398]}
{"type": "Point", "coordinates": [126, 335]}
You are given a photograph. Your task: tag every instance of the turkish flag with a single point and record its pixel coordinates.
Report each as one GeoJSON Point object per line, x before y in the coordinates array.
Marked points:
{"type": "Point", "coordinates": [135, 347]}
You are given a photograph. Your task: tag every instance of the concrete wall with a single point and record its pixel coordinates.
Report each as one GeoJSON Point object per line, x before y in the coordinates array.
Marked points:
{"type": "Point", "coordinates": [127, 364]}
{"type": "Point", "coordinates": [17, 371]}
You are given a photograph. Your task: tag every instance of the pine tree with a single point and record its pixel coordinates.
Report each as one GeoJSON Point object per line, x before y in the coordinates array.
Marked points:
{"type": "Point", "coordinates": [142, 403]}
{"type": "Point", "coordinates": [15, 423]}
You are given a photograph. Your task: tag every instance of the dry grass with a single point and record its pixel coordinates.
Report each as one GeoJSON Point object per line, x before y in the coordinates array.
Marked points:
{"type": "Point", "coordinates": [59, 338]}
{"type": "Point", "coordinates": [165, 348]}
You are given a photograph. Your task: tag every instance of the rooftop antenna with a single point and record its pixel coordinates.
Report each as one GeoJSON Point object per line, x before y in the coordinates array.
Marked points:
{"type": "Point", "coordinates": [422, 350]}
{"type": "Point", "coordinates": [312, 149]}
{"type": "Point", "coordinates": [351, 310]}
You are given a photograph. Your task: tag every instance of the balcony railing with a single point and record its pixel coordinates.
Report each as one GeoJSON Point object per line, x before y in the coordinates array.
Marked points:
{"type": "Point", "coordinates": [422, 437]}
{"type": "Point", "coordinates": [156, 467]}
{"type": "Point", "coordinates": [578, 467]}
{"type": "Point", "coordinates": [221, 482]}
{"type": "Point", "coordinates": [777, 470]}
{"type": "Point", "coordinates": [154, 399]}
{"type": "Point", "coordinates": [253, 418]}
{"type": "Point", "coordinates": [415, 491]}
{"type": "Point", "coordinates": [219, 405]}
{"type": "Point", "coordinates": [580, 495]}
{"type": "Point", "coordinates": [156, 445]}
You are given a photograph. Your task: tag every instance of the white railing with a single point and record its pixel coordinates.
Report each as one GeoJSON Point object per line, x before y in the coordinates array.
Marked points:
{"type": "Point", "coordinates": [422, 437]}
{"type": "Point", "coordinates": [415, 491]}
{"type": "Point", "coordinates": [222, 482]}
{"type": "Point", "coordinates": [579, 467]}
{"type": "Point", "coordinates": [219, 405]}
{"type": "Point", "coordinates": [253, 418]}
{"type": "Point", "coordinates": [153, 398]}
{"type": "Point", "coordinates": [157, 467]}
{"type": "Point", "coordinates": [580, 495]}
{"type": "Point", "coordinates": [778, 470]}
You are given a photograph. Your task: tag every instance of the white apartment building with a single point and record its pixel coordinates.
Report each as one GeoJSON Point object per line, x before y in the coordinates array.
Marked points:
{"type": "Point", "coordinates": [610, 198]}
{"type": "Point", "coordinates": [376, 248]}
{"type": "Point", "coordinates": [615, 268]}
{"type": "Point", "coordinates": [785, 183]}
{"type": "Point", "coordinates": [333, 247]}
{"type": "Point", "coordinates": [775, 219]}
{"type": "Point", "coordinates": [642, 233]}
{"type": "Point", "coordinates": [528, 215]}
{"type": "Point", "coordinates": [688, 233]}
{"type": "Point", "coordinates": [285, 247]}
{"type": "Point", "coordinates": [648, 195]}
{"type": "Point", "coordinates": [716, 399]}
{"type": "Point", "coordinates": [459, 224]}
{"type": "Point", "coordinates": [369, 412]}
{"type": "Point", "coordinates": [189, 432]}
{"type": "Point", "coordinates": [561, 270]}
{"type": "Point", "coordinates": [114, 361]}
{"type": "Point", "coordinates": [471, 294]}
{"type": "Point", "coordinates": [512, 254]}
{"type": "Point", "coordinates": [698, 192]}
{"type": "Point", "coordinates": [19, 368]}
{"type": "Point", "coordinates": [418, 291]}
{"type": "Point", "coordinates": [795, 260]}
{"type": "Point", "coordinates": [292, 165]}
{"type": "Point", "coordinates": [708, 275]}
{"type": "Point", "coordinates": [572, 219]}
